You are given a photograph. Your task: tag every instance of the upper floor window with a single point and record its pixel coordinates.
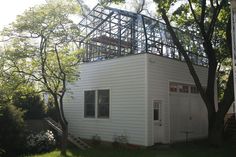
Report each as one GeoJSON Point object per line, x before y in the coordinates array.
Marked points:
{"type": "Point", "coordinates": [183, 88]}
{"type": "Point", "coordinates": [173, 87]}
{"type": "Point", "coordinates": [194, 89]}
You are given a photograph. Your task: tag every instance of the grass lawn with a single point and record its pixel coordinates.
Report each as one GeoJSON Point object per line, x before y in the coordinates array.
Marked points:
{"type": "Point", "coordinates": [180, 150]}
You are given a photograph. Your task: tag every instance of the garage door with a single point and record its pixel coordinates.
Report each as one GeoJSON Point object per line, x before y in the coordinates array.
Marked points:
{"type": "Point", "coordinates": [188, 118]}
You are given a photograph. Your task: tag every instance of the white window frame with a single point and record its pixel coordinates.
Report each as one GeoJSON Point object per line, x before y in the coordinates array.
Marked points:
{"type": "Point", "coordinates": [178, 84]}
{"type": "Point", "coordinates": [96, 103]}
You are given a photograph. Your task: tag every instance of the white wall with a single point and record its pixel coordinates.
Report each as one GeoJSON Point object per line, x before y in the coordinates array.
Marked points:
{"type": "Point", "coordinates": [160, 72]}
{"type": "Point", "coordinates": [125, 78]}
{"type": "Point", "coordinates": [134, 82]}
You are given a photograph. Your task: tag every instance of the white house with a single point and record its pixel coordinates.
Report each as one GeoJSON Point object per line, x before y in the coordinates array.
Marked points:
{"type": "Point", "coordinates": [134, 83]}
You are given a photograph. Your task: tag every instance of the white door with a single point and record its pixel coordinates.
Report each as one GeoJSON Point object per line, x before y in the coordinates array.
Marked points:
{"type": "Point", "coordinates": [179, 106]}
{"type": "Point", "coordinates": [188, 116]}
{"type": "Point", "coordinates": [157, 124]}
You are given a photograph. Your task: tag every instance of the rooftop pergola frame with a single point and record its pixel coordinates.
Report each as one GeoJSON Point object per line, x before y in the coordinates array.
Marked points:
{"type": "Point", "coordinates": [109, 33]}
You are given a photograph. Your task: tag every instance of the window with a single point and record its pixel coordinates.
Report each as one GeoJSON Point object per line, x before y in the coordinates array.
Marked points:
{"type": "Point", "coordinates": [103, 103]}
{"type": "Point", "coordinates": [97, 103]}
{"type": "Point", "coordinates": [183, 88]}
{"type": "Point", "coordinates": [178, 87]}
{"type": "Point", "coordinates": [173, 87]}
{"type": "Point", "coordinates": [89, 104]}
{"type": "Point", "coordinates": [194, 90]}
{"type": "Point", "coordinates": [156, 110]}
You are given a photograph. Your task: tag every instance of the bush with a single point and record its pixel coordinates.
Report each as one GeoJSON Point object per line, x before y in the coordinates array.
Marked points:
{"type": "Point", "coordinates": [52, 111]}
{"type": "Point", "coordinates": [32, 104]}
{"type": "Point", "coordinates": [41, 142]}
{"type": "Point", "coordinates": [96, 140]}
{"type": "Point", "coordinates": [2, 152]}
{"type": "Point", "coordinates": [12, 129]}
{"type": "Point", "coordinates": [120, 141]}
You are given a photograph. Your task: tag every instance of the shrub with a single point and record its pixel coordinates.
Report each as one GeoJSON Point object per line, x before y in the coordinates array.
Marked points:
{"type": "Point", "coordinates": [96, 140]}
{"type": "Point", "coordinates": [32, 104]}
{"type": "Point", "coordinates": [12, 129]}
{"type": "Point", "coordinates": [2, 152]}
{"type": "Point", "coordinates": [44, 141]}
{"type": "Point", "coordinates": [52, 111]}
{"type": "Point", "coordinates": [120, 141]}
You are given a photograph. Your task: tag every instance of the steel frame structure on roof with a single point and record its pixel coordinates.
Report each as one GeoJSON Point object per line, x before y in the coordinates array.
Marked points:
{"type": "Point", "coordinates": [109, 33]}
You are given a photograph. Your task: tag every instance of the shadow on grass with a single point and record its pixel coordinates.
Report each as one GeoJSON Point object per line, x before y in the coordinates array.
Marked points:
{"type": "Point", "coordinates": [196, 149]}
{"type": "Point", "coordinates": [177, 150]}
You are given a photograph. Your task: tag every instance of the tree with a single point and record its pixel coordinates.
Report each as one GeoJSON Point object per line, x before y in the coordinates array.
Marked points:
{"type": "Point", "coordinates": [84, 8]}
{"type": "Point", "coordinates": [137, 6]}
{"type": "Point", "coordinates": [210, 20]}
{"type": "Point", "coordinates": [40, 46]}
{"type": "Point", "coordinates": [2, 151]}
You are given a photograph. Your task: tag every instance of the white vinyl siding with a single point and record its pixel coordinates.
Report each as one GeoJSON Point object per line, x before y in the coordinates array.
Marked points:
{"type": "Point", "coordinates": [133, 82]}
{"type": "Point", "coordinates": [160, 72]}
{"type": "Point", "coordinates": [124, 77]}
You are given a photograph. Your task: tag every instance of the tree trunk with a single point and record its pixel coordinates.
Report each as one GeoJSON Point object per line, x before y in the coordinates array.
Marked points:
{"type": "Point", "coordinates": [216, 121]}
{"type": "Point", "coordinates": [64, 140]}
{"type": "Point", "coordinates": [215, 130]}
{"type": "Point", "coordinates": [64, 127]}
{"type": "Point", "coordinates": [215, 118]}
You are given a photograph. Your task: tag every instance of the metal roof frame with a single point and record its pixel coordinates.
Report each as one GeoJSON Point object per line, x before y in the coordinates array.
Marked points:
{"type": "Point", "coordinates": [108, 33]}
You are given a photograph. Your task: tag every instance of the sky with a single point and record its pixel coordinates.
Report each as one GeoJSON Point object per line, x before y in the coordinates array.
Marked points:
{"type": "Point", "coordinates": [9, 9]}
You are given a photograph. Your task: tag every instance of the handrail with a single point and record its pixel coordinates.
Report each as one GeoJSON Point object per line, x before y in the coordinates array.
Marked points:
{"type": "Point", "coordinates": [75, 140]}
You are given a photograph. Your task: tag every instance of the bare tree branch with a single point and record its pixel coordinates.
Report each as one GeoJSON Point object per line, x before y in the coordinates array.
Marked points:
{"type": "Point", "coordinates": [212, 5]}
{"type": "Point", "coordinates": [216, 12]}
{"type": "Point", "coordinates": [203, 13]}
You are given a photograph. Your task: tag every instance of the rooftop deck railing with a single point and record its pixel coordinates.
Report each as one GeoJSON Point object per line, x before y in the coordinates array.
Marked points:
{"type": "Point", "coordinates": [109, 33]}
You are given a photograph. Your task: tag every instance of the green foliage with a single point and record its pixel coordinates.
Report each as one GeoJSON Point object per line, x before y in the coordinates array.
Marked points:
{"type": "Point", "coordinates": [2, 152]}
{"type": "Point", "coordinates": [0, 110]}
{"type": "Point", "coordinates": [52, 111]}
{"type": "Point", "coordinates": [32, 104]}
{"type": "Point", "coordinates": [96, 140]}
{"type": "Point", "coordinates": [12, 129]}
{"type": "Point", "coordinates": [12, 83]}
{"type": "Point", "coordinates": [181, 16]}
{"type": "Point", "coordinates": [165, 4]}
{"type": "Point", "coordinates": [113, 1]}
{"type": "Point", "coordinates": [41, 45]}
{"type": "Point", "coordinates": [15, 89]}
